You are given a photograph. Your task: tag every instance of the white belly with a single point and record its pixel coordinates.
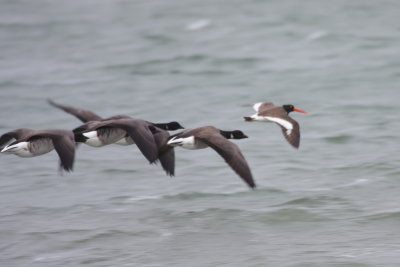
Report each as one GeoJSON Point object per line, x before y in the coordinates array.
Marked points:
{"type": "Point", "coordinates": [188, 143]}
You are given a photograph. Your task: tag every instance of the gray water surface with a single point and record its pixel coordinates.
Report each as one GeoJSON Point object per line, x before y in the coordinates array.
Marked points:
{"type": "Point", "coordinates": [333, 202]}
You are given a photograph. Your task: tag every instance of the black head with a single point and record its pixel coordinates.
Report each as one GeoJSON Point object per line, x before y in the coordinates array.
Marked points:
{"type": "Point", "coordinates": [237, 134]}
{"type": "Point", "coordinates": [288, 108]}
{"type": "Point", "coordinates": [174, 125]}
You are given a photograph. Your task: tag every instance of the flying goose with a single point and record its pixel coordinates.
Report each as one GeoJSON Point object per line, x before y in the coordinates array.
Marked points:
{"type": "Point", "coordinates": [148, 138]}
{"type": "Point", "coordinates": [209, 136]}
{"type": "Point", "coordinates": [87, 115]}
{"type": "Point", "coordinates": [32, 143]}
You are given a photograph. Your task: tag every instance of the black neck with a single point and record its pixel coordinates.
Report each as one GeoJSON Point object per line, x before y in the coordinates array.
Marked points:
{"type": "Point", "coordinates": [164, 126]}
{"type": "Point", "coordinates": [226, 134]}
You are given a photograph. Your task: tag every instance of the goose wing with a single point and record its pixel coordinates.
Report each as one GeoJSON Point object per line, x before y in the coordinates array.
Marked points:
{"type": "Point", "coordinates": [117, 117]}
{"type": "Point", "coordinates": [6, 138]}
{"type": "Point", "coordinates": [82, 114]}
{"type": "Point", "coordinates": [166, 153]}
{"type": "Point", "coordinates": [90, 126]}
{"type": "Point", "coordinates": [142, 134]}
{"type": "Point", "coordinates": [65, 148]}
{"type": "Point", "coordinates": [15, 134]}
{"type": "Point", "coordinates": [231, 154]}
{"type": "Point", "coordinates": [64, 144]}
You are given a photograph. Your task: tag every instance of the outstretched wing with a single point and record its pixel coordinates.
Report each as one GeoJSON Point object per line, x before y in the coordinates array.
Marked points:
{"type": "Point", "coordinates": [65, 148]}
{"type": "Point", "coordinates": [290, 129]}
{"type": "Point", "coordinates": [166, 153]}
{"type": "Point", "coordinates": [141, 133]}
{"type": "Point", "coordinates": [6, 138]}
{"type": "Point", "coordinates": [293, 135]}
{"type": "Point", "coordinates": [231, 154]}
{"type": "Point", "coordinates": [16, 134]}
{"type": "Point", "coordinates": [64, 144]}
{"type": "Point", "coordinates": [90, 126]}
{"type": "Point", "coordinates": [117, 117]}
{"type": "Point", "coordinates": [81, 114]}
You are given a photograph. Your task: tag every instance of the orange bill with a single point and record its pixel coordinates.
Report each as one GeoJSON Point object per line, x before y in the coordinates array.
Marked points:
{"type": "Point", "coordinates": [299, 110]}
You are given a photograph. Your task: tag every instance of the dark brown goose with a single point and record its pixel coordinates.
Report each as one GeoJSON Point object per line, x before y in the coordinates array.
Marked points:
{"type": "Point", "coordinates": [268, 112]}
{"type": "Point", "coordinates": [32, 143]}
{"type": "Point", "coordinates": [87, 115]}
{"type": "Point", "coordinates": [145, 135]}
{"type": "Point", "coordinates": [209, 136]}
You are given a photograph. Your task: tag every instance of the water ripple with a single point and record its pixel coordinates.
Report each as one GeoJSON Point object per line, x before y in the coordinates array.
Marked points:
{"type": "Point", "coordinates": [195, 195]}
{"type": "Point", "coordinates": [339, 139]}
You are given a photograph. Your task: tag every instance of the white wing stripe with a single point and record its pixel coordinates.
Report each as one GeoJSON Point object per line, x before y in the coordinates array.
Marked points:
{"type": "Point", "coordinates": [284, 123]}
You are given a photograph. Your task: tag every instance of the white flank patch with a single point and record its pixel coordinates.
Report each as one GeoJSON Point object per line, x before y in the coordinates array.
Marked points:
{"type": "Point", "coordinates": [284, 123]}
{"type": "Point", "coordinates": [188, 143]}
{"type": "Point", "coordinates": [93, 139]}
{"type": "Point", "coordinates": [19, 149]}
{"type": "Point", "coordinates": [92, 134]}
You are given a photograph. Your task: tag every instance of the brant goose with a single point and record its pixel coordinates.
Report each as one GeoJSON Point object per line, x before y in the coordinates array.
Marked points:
{"type": "Point", "coordinates": [87, 115]}
{"type": "Point", "coordinates": [268, 112]}
{"type": "Point", "coordinates": [32, 143]}
{"type": "Point", "coordinates": [148, 138]}
{"type": "Point", "coordinates": [209, 136]}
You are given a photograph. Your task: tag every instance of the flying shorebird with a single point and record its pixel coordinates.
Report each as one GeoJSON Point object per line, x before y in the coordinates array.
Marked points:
{"type": "Point", "coordinates": [268, 112]}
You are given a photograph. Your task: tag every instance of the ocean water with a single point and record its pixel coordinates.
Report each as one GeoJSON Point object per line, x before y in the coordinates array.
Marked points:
{"type": "Point", "coordinates": [333, 202]}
